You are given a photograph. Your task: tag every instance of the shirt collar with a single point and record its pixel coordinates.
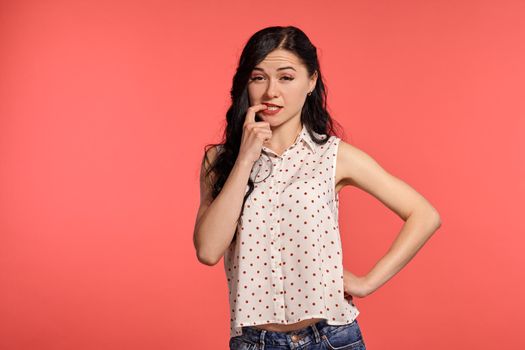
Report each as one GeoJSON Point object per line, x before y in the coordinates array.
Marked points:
{"type": "Point", "coordinates": [305, 136]}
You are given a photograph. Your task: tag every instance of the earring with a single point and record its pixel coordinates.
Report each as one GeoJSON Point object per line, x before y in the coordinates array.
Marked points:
{"type": "Point", "coordinates": [310, 93]}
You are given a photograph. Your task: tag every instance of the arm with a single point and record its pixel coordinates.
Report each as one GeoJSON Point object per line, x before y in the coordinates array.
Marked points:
{"type": "Point", "coordinates": [217, 219]}
{"type": "Point", "coordinates": [356, 168]}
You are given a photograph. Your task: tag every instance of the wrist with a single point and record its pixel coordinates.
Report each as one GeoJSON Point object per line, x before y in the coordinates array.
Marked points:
{"type": "Point", "coordinates": [244, 163]}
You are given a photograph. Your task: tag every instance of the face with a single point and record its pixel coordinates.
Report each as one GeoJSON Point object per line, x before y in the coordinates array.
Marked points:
{"type": "Point", "coordinates": [282, 79]}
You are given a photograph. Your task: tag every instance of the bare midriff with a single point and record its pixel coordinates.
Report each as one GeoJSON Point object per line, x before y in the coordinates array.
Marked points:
{"type": "Point", "coordinates": [277, 327]}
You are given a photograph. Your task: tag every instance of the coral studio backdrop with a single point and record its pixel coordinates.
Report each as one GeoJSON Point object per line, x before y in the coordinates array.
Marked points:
{"type": "Point", "coordinates": [105, 107]}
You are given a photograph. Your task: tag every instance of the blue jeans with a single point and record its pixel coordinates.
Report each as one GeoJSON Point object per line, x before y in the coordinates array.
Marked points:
{"type": "Point", "coordinates": [318, 336]}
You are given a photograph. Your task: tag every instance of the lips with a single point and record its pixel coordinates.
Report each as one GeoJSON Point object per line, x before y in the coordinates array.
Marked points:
{"type": "Point", "coordinates": [271, 104]}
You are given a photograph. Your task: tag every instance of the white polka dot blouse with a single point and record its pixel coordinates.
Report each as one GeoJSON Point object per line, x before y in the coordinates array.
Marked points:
{"type": "Point", "coordinates": [286, 264]}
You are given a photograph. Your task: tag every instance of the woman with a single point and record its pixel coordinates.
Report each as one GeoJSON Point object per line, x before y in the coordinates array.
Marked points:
{"type": "Point", "coordinates": [269, 205]}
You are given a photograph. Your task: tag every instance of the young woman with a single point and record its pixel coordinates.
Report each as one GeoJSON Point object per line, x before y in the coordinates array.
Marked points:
{"type": "Point", "coordinates": [269, 205]}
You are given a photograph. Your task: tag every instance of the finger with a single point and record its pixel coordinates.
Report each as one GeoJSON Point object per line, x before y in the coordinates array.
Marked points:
{"type": "Point", "coordinates": [250, 114]}
{"type": "Point", "coordinates": [264, 136]}
{"type": "Point", "coordinates": [265, 132]}
{"type": "Point", "coordinates": [262, 125]}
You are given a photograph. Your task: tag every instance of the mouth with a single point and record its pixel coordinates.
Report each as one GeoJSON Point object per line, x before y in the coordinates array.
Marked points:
{"type": "Point", "coordinates": [271, 110]}
{"type": "Point", "coordinates": [272, 107]}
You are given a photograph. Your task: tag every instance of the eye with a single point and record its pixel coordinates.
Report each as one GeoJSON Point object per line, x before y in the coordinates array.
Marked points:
{"type": "Point", "coordinates": [258, 77]}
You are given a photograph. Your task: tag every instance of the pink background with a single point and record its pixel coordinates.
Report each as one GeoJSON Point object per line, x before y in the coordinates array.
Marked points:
{"type": "Point", "coordinates": [105, 107]}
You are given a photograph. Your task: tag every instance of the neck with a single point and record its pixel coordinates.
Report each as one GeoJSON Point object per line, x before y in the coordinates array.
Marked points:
{"type": "Point", "coordinates": [284, 136]}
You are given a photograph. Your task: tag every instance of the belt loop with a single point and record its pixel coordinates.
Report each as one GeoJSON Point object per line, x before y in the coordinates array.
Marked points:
{"type": "Point", "coordinates": [261, 339]}
{"type": "Point", "coordinates": [316, 333]}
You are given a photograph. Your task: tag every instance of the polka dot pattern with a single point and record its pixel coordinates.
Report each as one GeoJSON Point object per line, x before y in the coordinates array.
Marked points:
{"type": "Point", "coordinates": [286, 264]}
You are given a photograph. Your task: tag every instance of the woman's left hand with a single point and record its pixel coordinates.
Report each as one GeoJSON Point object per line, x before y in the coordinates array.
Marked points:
{"type": "Point", "coordinates": [354, 285]}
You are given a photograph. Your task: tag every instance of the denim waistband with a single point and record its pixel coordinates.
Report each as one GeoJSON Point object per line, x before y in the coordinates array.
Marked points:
{"type": "Point", "coordinates": [296, 338]}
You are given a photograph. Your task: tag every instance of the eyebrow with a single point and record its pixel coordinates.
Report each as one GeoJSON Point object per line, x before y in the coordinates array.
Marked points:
{"type": "Point", "coordinates": [281, 68]}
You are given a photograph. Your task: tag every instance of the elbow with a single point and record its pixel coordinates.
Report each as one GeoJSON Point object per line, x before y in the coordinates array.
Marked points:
{"type": "Point", "coordinates": [206, 254]}
{"type": "Point", "coordinates": [206, 260]}
{"type": "Point", "coordinates": [436, 220]}
{"type": "Point", "coordinates": [202, 257]}
{"type": "Point", "coordinates": [430, 217]}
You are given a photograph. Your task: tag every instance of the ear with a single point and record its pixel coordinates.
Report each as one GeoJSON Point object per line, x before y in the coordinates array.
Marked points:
{"type": "Point", "coordinates": [313, 81]}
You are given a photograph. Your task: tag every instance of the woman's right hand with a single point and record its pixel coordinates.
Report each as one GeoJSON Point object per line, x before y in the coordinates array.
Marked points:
{"type": "Point", "coordinates": [254, 135]}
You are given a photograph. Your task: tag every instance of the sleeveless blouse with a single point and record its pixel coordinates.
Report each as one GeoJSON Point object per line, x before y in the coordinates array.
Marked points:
{"type": "Point", "coordinates": [286, 264]}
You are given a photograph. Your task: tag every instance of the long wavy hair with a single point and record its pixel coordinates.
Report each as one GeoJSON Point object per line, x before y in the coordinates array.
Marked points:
{"type": "Point", "coordinates": [314, 114]}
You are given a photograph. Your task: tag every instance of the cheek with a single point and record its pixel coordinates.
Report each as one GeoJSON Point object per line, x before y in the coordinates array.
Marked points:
{"type": "Point", "coordinates": [254, 91]}
{"type": "Point", "coordinates": [296, 99]}
{"type": "Point", "coordinates": [294, 92]}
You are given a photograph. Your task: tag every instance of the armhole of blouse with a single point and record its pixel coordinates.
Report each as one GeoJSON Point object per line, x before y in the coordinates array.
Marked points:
{"type": "Point", "coordinates": [335, 195]}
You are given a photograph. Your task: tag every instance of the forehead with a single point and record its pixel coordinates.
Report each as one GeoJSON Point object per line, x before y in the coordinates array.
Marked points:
{"type": "Point", "coordinates": [279, 58]}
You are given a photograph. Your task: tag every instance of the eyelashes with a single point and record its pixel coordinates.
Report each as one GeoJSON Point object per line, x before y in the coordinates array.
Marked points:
{"type": "Point", "coordinates": [257, 78]}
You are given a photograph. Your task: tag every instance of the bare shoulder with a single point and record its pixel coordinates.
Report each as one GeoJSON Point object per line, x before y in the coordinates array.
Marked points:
{"type": "Point", "coordinates": [355, 167]}
{"type": "Point", "coordinates": [349, 159]}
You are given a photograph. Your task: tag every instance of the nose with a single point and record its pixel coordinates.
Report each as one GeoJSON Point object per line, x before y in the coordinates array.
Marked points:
{"type": "Point", "coordinates": [272, 90]}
